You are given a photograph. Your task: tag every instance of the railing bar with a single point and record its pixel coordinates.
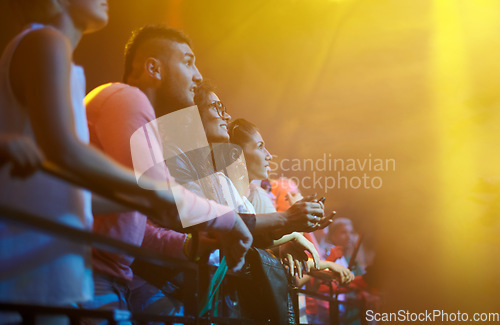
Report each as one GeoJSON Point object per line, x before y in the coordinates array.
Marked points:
{"type": "Point", "coordinates": [48, 310]}
{"type": "Point", "coordinates": [29, 313]}
{"type": "Point", "coordinates": [58, 172]}
{"type": "Point", "coordinates": [89, 238]}
{"type": "Point", "coordinates": [226, 320]}
{"type": "Point", "coordinates": [146, 317]}
{"type": "Point", "coordinates": [315, 295]}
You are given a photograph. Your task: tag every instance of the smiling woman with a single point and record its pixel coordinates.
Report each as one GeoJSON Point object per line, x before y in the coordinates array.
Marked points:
{"type": "Point", "coordinates": [213, 113]}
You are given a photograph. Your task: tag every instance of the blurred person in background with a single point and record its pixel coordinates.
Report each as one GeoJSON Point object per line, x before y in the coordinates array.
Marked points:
{"type": "Point", "coordinates": [337, 246]}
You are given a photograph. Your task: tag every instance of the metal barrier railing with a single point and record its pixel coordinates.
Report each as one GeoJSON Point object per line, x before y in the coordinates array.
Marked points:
{"type": "Point", "coordinates": [333, 303]}
{"type": "Point", "coordinates": [191, 289]}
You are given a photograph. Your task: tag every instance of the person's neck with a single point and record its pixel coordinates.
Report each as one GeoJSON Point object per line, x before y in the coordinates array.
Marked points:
{"type": "Point", "coordinates": [162, 109]}
{"type": "Point", "coordinates": [66, 25]}
{"type": "Point", "coordinates": [151, 93]}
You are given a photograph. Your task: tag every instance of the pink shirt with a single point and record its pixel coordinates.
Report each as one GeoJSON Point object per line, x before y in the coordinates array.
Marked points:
{"type": "Point", "coordinates": [114, 112]}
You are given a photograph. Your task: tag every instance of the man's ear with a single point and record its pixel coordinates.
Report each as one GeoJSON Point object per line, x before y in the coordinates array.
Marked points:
{"type": "Point", "coordinates": [153, 68]}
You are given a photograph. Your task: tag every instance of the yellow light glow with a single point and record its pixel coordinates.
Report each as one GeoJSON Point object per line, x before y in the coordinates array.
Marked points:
{"type": "Point", "coordinates": [464, 158]}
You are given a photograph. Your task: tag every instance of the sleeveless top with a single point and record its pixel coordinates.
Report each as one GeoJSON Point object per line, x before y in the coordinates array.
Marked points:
{"type": "Point", "coordinates": [260, 199]}
{"type": "Point", "coordinates": [35, 267]}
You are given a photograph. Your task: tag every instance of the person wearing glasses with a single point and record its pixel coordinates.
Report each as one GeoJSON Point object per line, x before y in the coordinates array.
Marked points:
{"type": "Point", "coordinates": [191, 170]}
{"type": "Point", "coordinates": [218, 172]}
{"type": "Point", "coordinates": [159, 78]}
{"type": "Point", "coordinates": [41, 99]}
{"type": "Point", "coordinates": [200, 171]}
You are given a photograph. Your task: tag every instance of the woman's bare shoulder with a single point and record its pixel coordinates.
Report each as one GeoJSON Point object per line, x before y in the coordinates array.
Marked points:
{"type": "Point", "coordinates": [43, 43]}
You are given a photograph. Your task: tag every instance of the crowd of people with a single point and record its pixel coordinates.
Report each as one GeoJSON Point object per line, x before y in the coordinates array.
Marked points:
{"type": "Point", "coordinates": [164, 139]}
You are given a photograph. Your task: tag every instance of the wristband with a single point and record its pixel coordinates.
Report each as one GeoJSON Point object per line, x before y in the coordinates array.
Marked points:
{"type": "Point", "coordinates": [189, 239]}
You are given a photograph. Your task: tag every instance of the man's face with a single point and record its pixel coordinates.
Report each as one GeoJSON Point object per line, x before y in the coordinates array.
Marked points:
{"type": "Point", "coordinates": [180, 76]}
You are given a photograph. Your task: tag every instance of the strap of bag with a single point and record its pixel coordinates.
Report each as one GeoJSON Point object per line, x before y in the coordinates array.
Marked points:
{"type": "Point", "coordinates": [212, 297]}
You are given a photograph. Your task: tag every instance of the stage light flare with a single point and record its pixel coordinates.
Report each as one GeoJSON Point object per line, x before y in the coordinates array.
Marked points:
{"type": "Point", "coordinates": [466, 142]}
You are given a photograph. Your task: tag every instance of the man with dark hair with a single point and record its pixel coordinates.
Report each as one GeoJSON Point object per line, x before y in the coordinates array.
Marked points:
{"type": "Point", "coordinates": [160, 62]}
{"type": "Point", "coordinates": [143, 35]}
{"type": "Point", "coordinates": [160, 72]}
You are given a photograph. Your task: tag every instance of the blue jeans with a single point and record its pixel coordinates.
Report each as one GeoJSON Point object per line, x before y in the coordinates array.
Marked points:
{"type": "Point", "coordinates": [109, 293]}
{"type": "Point", "coordinates": [145, 297]}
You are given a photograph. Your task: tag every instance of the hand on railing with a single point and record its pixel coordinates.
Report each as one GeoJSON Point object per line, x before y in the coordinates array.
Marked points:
{"type": "Point", "coordinates": [328, 270]}
{"type": "Point", "coordinates": [160, 206]}
{"type": "Point", "coordinates": [294, 257]}
{"type": "Point", "coordinates": [22, 152]}
{"type": "Point", "coordinates": [235, 244]}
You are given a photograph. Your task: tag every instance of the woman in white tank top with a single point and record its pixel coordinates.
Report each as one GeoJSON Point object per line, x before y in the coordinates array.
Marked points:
{"type": "Point", "coordinates": [41, 97]}
{"type": "Point", "coordinates": [29, 275]}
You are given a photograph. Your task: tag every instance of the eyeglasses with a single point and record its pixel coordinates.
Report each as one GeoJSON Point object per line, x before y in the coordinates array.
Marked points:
{"type": "Point", "coordinates": [220, 108]}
